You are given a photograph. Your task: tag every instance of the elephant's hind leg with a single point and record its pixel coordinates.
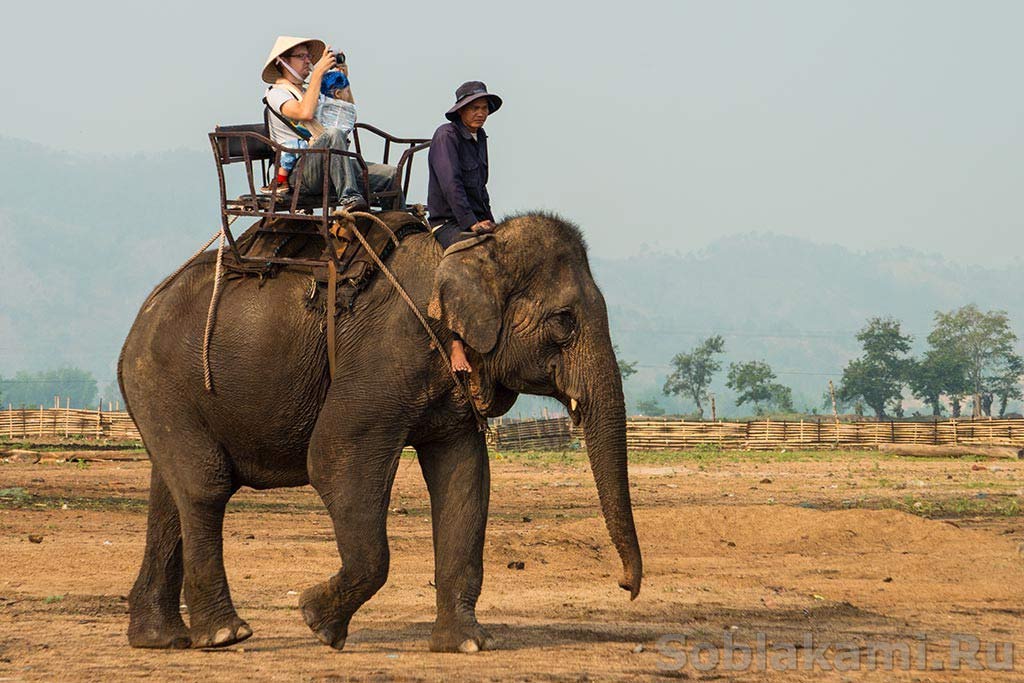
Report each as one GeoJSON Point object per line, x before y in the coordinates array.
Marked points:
{"type": "Point", "coordinates": [200, 480]}
{"type": "Point", "coordinates": [213, 621]}
{"type": "Point", "coordinates": [356, 488]}
{"type": "Point", "coordinates": [153, 604]}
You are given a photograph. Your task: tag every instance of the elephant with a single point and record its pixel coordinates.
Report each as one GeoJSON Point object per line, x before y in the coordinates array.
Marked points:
{"type": "Point", "coordinates": [527, 307]}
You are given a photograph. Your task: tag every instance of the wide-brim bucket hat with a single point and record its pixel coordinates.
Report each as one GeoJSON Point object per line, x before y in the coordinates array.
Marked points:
{"type": "Point", "coordinates": [469, 91]}
{"type": "Point", "coordinates": [283, 44]}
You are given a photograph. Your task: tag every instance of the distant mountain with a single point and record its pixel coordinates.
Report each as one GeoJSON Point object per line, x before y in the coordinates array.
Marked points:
{"type": "Point", "coordinates": [791, 302]}
{"type": "Point", "coordinates": [83, 239]}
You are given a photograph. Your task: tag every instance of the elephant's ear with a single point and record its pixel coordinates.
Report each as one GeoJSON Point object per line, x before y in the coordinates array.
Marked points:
{"type": "Point", "coordinates": [467, 295]}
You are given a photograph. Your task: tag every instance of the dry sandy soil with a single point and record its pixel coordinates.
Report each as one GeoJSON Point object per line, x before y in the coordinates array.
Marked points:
{"type": "Point", "coordinates": [852, 548]}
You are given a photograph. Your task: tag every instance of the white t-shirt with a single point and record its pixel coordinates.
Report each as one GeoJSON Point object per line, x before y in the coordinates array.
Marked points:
{"type": "Point", "coordinates": [279, 132]}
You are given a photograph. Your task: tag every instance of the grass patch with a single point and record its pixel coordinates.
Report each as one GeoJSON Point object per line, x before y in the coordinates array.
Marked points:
{"type": "Point", "coordinates": [73, 445]}
{"type": "Point", "coordinates": [36, 502]}
{"type": "Point", "coordinates": [705, 454]}
{"type": "Point", "coordinates": [19, 499]}
{"type": "Point", "coordinates": [544, 458]}
{"type": "Point", "coordinates": [953, 507]}
{"type": "Point", "coordinates": [14, 496]}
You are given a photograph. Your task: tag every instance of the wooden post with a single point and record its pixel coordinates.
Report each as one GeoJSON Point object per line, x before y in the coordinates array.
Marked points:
{"type": "Point", "coordinates": [10, 409]}
{"type": "Point", "coordinates": [67, 415]}
{"type": "Point", "coordinates": [713, 413]}
{"type": "Point", "coordinates": [955, 439]}
{"type": "Point", "coordinates": [99, 421]}
{"type": "Point", "coordinates": [835, 409]}
{"type": "Point", "coordinates": [40, 420]}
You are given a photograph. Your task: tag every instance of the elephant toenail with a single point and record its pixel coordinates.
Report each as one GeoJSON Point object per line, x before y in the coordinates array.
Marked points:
{"type": "Point", "coordinates": [469, 645]}
{"type": "Point", "coordinates": [222, 636]}
{"type": "Point", "coordinates": [244, 631]}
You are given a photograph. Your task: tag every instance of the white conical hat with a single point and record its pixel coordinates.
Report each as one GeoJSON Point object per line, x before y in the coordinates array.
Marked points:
{"type": "Point", "coordinates": [282, 45]}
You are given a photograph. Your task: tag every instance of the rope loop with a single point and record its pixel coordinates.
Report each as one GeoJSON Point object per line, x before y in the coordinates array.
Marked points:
{"type": "Point", "coordinates": [347, 216]}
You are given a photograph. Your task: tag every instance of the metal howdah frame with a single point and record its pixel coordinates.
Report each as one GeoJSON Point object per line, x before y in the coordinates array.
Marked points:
{"type": "Point", "coordinates": [250, 145]}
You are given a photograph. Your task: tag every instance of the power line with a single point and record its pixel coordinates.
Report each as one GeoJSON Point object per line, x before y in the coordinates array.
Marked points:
{"type": "Point", "coordinates": [819, 373]}
{"type": "Point", "coordinates": [53, 381]}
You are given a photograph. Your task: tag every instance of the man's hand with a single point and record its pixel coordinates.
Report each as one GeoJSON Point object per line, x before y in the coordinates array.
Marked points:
{"type": "Point", "coordinates": [483, 227]}
{"type": "Point", "coordinates": [325, 63]}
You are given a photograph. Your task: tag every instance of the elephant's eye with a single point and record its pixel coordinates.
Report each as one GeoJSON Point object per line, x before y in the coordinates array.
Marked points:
{"type": "Point", "coordinates": [561, 327]}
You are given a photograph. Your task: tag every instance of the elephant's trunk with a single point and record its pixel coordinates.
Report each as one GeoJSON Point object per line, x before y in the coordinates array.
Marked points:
{"type": "Point", "coordinates": [603, 414]}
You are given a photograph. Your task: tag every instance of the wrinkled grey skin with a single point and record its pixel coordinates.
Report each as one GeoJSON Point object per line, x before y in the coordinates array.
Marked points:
{"type": "Point", "coordinates": [534, 321]}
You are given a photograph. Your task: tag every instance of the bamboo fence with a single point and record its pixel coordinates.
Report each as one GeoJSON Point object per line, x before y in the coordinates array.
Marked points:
{"type": "Point", "coordinates": [26, 424]}
{"type": "Point", "coordinates": [642, 433]}
{"type": "Point", "coordinates": [652, 434]}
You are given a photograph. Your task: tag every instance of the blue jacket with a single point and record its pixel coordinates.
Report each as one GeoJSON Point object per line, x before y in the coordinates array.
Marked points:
{"type": "Point", "coordinates": [458, 177]}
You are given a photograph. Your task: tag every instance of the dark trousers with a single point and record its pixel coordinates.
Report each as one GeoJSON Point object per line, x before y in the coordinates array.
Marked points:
{"type": "Point", "coordinates": [449, 233]}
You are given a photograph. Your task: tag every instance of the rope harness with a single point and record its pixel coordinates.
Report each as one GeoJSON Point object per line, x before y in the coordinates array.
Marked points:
{"type": "Point", "coordinates": [435, 343]}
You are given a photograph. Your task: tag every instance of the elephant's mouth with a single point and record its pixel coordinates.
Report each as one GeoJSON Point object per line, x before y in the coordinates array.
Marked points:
{"type": "Point", "coordinates": [574, 408]}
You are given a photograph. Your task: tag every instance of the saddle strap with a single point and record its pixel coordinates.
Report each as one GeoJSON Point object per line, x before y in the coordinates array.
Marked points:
{"type": "Point", "coordinates": [332, 285]}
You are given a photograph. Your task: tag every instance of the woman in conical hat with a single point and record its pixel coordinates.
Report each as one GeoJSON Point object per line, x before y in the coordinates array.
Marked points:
{"type": "Point", "coordinates": [293, 103]}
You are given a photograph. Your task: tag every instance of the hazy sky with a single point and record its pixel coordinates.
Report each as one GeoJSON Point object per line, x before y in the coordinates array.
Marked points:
{"type": "Point", "coordinates": [665, 124]}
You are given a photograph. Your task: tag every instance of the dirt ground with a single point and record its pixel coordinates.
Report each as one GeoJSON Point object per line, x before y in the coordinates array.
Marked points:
{"type": "Point", "coordinates": [763, 550]}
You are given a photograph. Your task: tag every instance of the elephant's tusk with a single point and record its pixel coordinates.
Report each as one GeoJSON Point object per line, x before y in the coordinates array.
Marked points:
{"type": "Point", "coordinates": [573, 405]}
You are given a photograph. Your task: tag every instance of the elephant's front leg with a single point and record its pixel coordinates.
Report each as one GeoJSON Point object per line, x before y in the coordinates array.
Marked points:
{"type": "Point", "coordinates": [353, 475]}
{"type": "Point", "coordinates": [458, 478]}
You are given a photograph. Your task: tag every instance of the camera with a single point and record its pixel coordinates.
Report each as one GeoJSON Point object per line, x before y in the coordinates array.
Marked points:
{"type": "Point", "coordinates": [339, 57]}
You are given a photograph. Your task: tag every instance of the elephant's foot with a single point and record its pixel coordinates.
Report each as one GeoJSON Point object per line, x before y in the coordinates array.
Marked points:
{"type": "Point", "coordinates": [220, 633]}
{"type": "Point", "coordinates": [166, 637]}
{"type": "Point", "coordinates": [149, 628]}
{"type": "Point", "coordinates": [464, 635]}
{"type": "Point", "coordinates": [324, 615]}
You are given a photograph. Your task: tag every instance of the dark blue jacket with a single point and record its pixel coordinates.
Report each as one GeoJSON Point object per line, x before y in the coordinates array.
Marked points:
{"type": "Point", "coordinates": [458, 177]}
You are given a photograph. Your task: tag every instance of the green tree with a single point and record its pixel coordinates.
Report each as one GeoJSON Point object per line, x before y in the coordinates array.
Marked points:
{"type": "Point", "coordinates": [692, 372]}
{"type": "Point", "coordinates": [111, 394]}
{"type": "Point", "coordinates": [1005, 385]}
{"type": "Point", "coordinates": [878, 376]}
{"type": "Point", "coordinates": [984, 344]}
{"type": "Point", "coordinates": [782, 398]}
{"type": "Point", "coordinates": [936, 375]}
{"type": "Point", "coordinates": [650, 407]}
{"type": "Point", "coordinates": [754, 382]}
{"type": "Point", "coordinates": [31, 389]}
{"type": "Point", "coordinates": [626, 368]}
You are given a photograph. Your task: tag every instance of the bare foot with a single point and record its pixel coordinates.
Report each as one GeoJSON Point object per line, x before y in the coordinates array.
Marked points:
{"type": "Point", "coordinates": [459, 361]}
